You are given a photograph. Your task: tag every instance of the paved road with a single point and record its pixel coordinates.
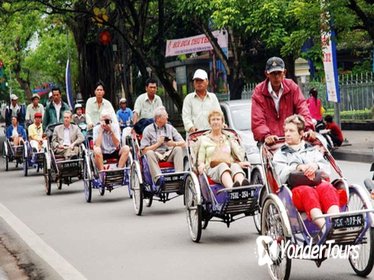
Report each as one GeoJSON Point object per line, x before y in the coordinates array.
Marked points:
{"type": "Point", "coordinates": [106, 240]}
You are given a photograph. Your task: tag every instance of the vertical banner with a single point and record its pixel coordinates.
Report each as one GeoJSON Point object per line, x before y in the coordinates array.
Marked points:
{"type": "Point", "coordinates": [330, 67]}
{"type": "Point", "coordinates": [68, 84]}
{"type": "Point", "coordinates": [330, 64]}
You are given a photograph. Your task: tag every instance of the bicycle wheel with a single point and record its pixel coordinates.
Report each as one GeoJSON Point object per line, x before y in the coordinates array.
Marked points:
{"type": "Point", "coordinates": [273, 225]}
{"type": "Point", "coordinates": [362, 262]}
{"type": "Point", "coordinates": [137, 190]}
{"type": "Point", "coordinates": [193, 209]}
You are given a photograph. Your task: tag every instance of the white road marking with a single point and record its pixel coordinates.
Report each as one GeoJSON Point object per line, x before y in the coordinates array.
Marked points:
{"type": "Point", "coordinates": [42, 249]}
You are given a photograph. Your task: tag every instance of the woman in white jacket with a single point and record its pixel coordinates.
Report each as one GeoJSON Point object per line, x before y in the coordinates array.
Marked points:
{"type": "Point", "coordinates": [297, 155]}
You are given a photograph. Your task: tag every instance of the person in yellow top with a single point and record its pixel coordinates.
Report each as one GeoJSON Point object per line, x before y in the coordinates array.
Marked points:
{"type": "Point", "coordinates": [35, 130]}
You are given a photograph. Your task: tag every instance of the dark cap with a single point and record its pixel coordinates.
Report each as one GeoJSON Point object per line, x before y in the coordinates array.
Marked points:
{"type": "Point", "coordinates": [274, 64]}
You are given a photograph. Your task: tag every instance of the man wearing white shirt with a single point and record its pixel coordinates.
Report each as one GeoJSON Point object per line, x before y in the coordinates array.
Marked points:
{"type": "Point", "coordinates": [34, 107]}
{"type": "Point", "coordinates": [97, 104]}
{"type": "Point", "coordinates": [198, 104]}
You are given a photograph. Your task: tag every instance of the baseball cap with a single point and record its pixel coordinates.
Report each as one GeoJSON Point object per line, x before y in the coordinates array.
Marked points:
{"type": "Point", "coordinates": [78, 106]}
{"type": "Point", "coordinates": [122, 100]}
{"type": "Point", "coordinates": [38, 115]}
{"type": "Point", "coordinates": [274, 64]}
{"type": "Point", "coordinates": [200, 74]}
{"type": "Point", "coordinates": [13, 97]}
{"type": "Point", "coordinates": [35, 95]}
{"type": "Point", "coordinates": [50, 94]}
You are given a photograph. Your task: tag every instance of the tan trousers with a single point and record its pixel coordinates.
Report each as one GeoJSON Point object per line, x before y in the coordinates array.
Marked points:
{"type": "Point", "coordinates": [176, 156]}
{"type": "Point", "coordinates": [67, 153]}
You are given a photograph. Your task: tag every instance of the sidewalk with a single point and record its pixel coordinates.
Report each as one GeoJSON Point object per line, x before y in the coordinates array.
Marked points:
{"type": "Point", "coordinates": [358, 147]}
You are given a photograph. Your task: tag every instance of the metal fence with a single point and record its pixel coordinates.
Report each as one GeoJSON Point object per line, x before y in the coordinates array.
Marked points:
{"type": "Point", "coordinates": [356, 91]}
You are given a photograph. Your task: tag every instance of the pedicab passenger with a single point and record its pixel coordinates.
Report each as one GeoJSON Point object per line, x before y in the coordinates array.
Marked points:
{"type": "Point", "coordinates": [15, 132]}
{"type": "Point", "coordinates": [106, 137]}
{"type": "Point", "coordinates": [67, 137]}
{"type": "Point", "coordinates": [297, 155]}
{"type": "Point", "coordinates": [79, 117]}
{"type": "Point", "coordinates": [162, 142]}
{"type": "Point", "coordinates": [36, 137]}
{"type": "Point", "coordinates": [220, 155]}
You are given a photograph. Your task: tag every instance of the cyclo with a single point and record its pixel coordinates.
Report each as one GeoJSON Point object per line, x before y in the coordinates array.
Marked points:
{"type": "Point", "coordinates": [205, 199]}
{"type": "Point", "coordinates": [58, 169]}
{"type": "Point", "coordinates": [13, 153]}
{"type": "Point", "coordinates": [32, 158]}
{"type": "Point", "coordinates": [142, 185]}
{"type": "Point", "coordinates": [35, 145]}
{"type": "Point", "coordinates": [108, 179]}
{"type": "Point", "coordinates": [13, 147]}
{"type": "Point", "coordinates": [290, 230]}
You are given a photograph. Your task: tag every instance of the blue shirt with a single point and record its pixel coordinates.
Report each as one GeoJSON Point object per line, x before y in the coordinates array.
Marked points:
{"type": "Point", "coordinates": [20, 130]}
{"type": "Point", "coordinates": [124, 115]}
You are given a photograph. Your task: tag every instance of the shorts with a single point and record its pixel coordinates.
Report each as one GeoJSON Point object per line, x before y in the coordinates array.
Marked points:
{"type": "Point", "coordinates": [216, 172]}
{"type": "Point", "coordinates": [112, 155]}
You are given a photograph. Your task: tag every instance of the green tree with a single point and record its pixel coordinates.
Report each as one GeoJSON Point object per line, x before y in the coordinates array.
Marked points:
{"type": "Point", "coordinates": [35, 51]}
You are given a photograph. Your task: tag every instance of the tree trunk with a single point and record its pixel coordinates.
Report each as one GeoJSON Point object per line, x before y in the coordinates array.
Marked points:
{"type": "Point", "coordinates": [168, 85]}
{"type": "Point", "coordinates": [17, 69]}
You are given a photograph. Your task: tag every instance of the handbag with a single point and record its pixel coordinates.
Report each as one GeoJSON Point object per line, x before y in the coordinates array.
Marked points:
{"type": "Point", "coordinates": [221, 154]}
{"type": "Point", "coordinates": [297, 178]}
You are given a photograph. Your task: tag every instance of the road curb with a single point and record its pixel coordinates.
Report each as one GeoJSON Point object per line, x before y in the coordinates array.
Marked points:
{"type": "Point", "coordinates": [46, 253]}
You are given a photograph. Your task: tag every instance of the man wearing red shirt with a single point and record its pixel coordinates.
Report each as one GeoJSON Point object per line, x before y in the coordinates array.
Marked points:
{"type": "Point", "coordinates": [335, 131]}
{"type": "Point", "coordinates": [274, 100]}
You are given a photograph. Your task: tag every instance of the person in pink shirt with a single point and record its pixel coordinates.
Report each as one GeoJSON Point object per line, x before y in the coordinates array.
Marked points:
{"type": "Point", "coordinates": [315, 105]}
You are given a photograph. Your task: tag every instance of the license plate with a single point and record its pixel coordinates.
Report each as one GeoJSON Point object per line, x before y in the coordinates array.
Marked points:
{"type": "Point", "coordinates": [348, 221]}
{"type": "Point", "coordinates": [70, 165]}
{"type": "Point", "coordinates": [242, 194]}
{"type": "Point", "coordinates": [173, 178]}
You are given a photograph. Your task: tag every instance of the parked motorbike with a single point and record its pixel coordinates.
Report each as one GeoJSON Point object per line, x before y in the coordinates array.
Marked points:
{"type": "Point", "coordinates": [326, 133]}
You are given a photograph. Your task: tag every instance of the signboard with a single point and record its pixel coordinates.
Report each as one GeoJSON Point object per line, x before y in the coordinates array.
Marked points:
{"type": "Point", "coordinates": [197, 43]}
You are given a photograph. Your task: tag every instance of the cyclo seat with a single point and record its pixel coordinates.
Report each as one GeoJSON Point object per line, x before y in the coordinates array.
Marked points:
{"type": "Point", "coordinates": [165, 164]}
{"type": "Point", "coordinates": [111, 161]}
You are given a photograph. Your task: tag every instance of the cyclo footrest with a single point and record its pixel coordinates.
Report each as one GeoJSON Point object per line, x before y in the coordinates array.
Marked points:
{"type": "Point", "coordinates": [114, 177]}
{"type": "Point", "coordinates": [69, 167]}
{"type": "Point", "coordinates": [240, 199]}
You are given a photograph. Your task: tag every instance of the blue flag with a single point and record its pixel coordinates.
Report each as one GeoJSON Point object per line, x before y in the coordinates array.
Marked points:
{"type": "Point", "coordinates": [68, 84]}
